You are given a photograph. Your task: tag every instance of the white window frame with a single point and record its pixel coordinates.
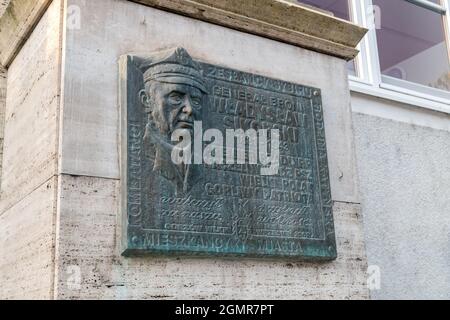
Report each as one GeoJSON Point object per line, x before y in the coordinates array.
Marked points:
{"type": "Point", "coordinates": [369, 79]}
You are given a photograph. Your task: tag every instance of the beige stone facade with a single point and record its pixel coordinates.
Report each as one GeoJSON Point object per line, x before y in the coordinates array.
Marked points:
{"type": "Point", "coordinates": [29, 181]}
{"type": "Point", "coordinates": [60, 184]}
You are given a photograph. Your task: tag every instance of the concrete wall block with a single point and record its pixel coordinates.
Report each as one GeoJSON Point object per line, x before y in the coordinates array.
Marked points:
{"type": "Point", "coordinates": [27, 245]}
{"type": "Point", "coordinates": [31, 115]}
{"type": "Point", "coordinates": [88, 243]}
{"type": "Point", "coordinates": [28, 181]}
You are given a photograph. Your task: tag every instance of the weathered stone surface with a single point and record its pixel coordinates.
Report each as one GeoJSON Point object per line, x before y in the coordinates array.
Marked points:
{"type": "Point", "coordinates": [16, 23]}
{"type": "Point", "coordinates": [86, 231]}
{"type": "Point", "coordinates": [222, 208]}
{"type": "Point", "coordinates": [90, 235]}
{"type": "Point", "coordinates": [31, 115]}
{"type": "Point", "coordinates": [274, 19]}
{"type": "Point", "coordinates": [29, 185]}
{"type": "Point", "coordinates": [3, 75]}
{"type": "Point", "coordinates": [89, 240]}
{"type": "Point", "coordinates": [3, 5]}
{"type": "Point", "coordinates": [90, 131]}
{"type": "Point", "coordinates": [27, 232]}
{"type": "Point", "coordinates": [281, 20]}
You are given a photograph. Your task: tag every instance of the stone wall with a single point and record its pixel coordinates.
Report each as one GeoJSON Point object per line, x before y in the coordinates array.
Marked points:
{"type": "Point", "coordinates": [29, 175]}
{"type": "Point", "coordinates": [3, 5]}
{"type": "Point", "coordinates": [3, 74]}
{"type": "Point", "coordinates": [88, 240]}
{"type": "Point", "coordinates": [89, 199]}
{"type": "Point", "coordinates": [60, 203]}
{"type": "Point", "coordinates": [60, 182]}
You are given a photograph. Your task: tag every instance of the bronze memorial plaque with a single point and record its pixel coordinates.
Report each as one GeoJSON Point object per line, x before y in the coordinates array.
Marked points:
{"type": "Point", "coordinates": [217, 161]}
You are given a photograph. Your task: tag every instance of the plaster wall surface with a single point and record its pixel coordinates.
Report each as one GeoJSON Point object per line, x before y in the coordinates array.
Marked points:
{"type": "Point", "coordinates": [404, 173]}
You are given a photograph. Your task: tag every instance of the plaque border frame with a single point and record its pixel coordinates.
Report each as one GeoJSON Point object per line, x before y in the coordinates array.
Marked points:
{"type": "Point", "coordinates": [323, 250]}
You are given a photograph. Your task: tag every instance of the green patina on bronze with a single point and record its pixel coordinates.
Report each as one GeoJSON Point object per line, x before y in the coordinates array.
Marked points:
{"type": "Point", "coordinates": [225, 210]}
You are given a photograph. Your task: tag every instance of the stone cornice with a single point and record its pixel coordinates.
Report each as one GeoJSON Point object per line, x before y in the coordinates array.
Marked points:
{"type": "Point", "coordinates": [275, 19]}
{"type": "Point", "coordinates": [16, 23]}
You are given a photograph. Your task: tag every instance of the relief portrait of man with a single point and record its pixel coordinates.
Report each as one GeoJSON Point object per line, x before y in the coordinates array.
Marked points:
{"type": "Point", "coordinates": [173, 99]}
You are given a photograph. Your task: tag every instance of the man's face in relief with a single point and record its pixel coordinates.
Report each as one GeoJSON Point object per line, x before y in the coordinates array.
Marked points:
{"type": "Point", "coordinates": [174, 106]}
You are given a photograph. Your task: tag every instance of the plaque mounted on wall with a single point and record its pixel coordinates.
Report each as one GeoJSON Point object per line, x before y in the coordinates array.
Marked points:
{"type": "Point", "coordinates": [253, 178]}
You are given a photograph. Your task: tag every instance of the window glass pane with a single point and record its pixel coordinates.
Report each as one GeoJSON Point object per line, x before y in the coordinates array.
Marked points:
{"type": "Point", "coordinates": [411, 44]}
{"type": "Point", "coordinates": [351, 68]}
{"type": "Point", "coordinates": [340, 9]}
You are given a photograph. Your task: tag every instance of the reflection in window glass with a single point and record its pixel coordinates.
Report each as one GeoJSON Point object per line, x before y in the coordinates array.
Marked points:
{"type": "Point", "coordinates": [340, 9]}
{"type": "Point", "coordinates": [411, 44]}
{"type": "Point", "coordinates": [351, 68]}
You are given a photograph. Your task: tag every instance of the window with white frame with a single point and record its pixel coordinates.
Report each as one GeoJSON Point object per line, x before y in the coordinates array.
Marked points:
{"type": "Point", "coordinates": [406, 51]}
{"type": "Point", "coordinates": [340, 9]}
{"type": "Point", "coordinates": [412, 46]}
